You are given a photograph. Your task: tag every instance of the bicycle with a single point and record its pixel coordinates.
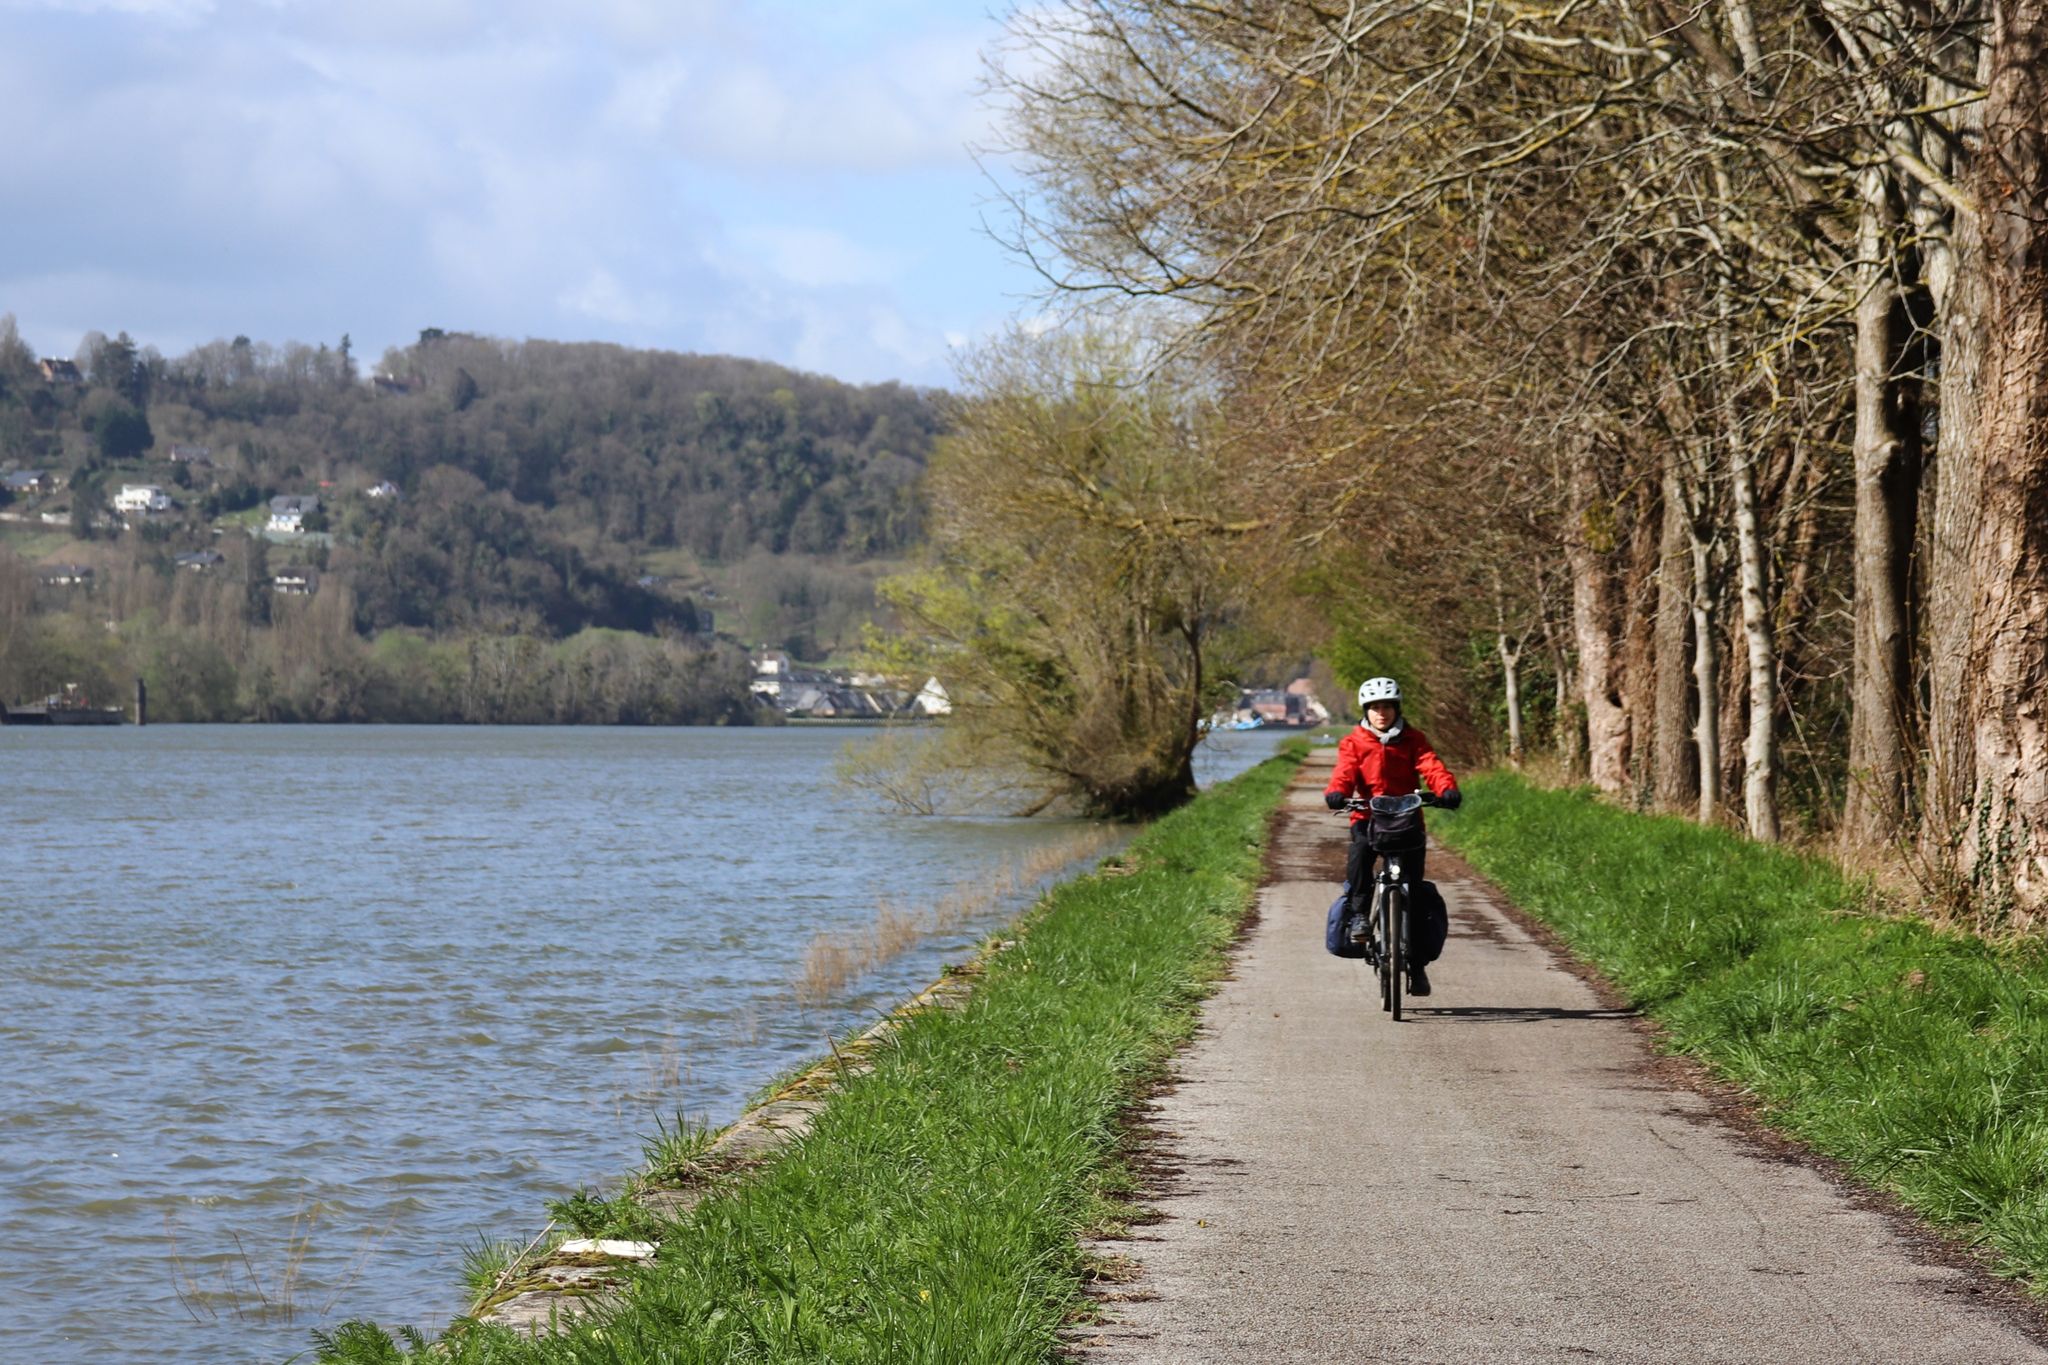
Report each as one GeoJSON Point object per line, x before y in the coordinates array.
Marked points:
{"type": "Point", "coordinates": [1385, 921]}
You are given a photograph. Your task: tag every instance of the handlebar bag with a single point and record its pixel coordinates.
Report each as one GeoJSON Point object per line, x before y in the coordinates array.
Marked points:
{"type": "Point", "coordinates": [1396, 831]}
{"type": "Point", "coordinates": [1334, 937]}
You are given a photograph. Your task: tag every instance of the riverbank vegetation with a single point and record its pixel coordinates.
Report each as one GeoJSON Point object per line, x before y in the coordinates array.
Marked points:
{"type": "Point", "coordinates": [1677, 364]}
{"type": "Point", "coordinates": [1085, 590]}
{"type": "Point", "coordinates": [931, 1213]}
{"type": "Point", "coordinates": [1918, 1057]}
{"type": "Point", "coordinates": [203, 658]}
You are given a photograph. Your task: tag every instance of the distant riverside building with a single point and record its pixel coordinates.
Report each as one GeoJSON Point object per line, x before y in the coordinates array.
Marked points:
{"type": "Point", "coordinates": [822, 694]}
{"type": "Point", "coordinates": [193, 455]}
{"type": "Point", "coordinates": [60, 372]}
{"type": "Point", "coordinates": [293, 581]}
{"type": "Point", "coordinates": [932, 699]}
{"type": "Point", "coordinates": [65, 575]}
{"type": "Point", "coordinates": [1294, 705]}
{"type": "Point", "coordinates": [772, 669]}
{"type": "Point", "coordinates": [24, 481]}
{"type": "Point", "coordinates": [201, 560]}
{"type": "Point", "coordinates": [141, 497]}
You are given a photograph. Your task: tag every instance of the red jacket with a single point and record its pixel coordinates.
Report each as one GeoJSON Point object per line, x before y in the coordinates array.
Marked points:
{"type": "Point", "coordinates": [1366, 767]}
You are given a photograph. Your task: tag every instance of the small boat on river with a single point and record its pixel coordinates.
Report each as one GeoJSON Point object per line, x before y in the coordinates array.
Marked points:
{"type": "Point", "coordinates": [69, 707]}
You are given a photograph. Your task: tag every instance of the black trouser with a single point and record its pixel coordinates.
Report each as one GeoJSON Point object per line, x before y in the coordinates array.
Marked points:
{"type": "Point", "coordinates": [1427, 924]}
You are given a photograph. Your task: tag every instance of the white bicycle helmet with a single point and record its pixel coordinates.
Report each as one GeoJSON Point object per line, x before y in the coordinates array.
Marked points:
{"type": "Point", "coordinates": [1378, 689]}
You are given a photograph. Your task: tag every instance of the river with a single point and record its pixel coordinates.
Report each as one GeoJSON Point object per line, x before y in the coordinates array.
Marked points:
{"type": "Point", "coordinates": [293, 1014]}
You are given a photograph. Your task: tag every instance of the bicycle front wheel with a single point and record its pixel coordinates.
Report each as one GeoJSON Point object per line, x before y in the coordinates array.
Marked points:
{"type": "Point", "coordinates": [1397, 930]}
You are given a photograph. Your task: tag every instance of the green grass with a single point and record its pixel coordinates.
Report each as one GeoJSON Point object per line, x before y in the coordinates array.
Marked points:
{"type": "Point", "coordinates": [1917, 1058]}
{"type": "Point", "coordinates": [933, 1210]}
{"type": "Point", "coordinates": [35, 541]}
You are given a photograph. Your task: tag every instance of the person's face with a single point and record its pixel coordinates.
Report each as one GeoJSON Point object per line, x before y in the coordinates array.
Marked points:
{"type": "Point", "coordinates": [1382, 713]}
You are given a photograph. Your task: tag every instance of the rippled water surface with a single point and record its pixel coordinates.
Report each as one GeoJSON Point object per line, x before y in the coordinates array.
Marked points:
{"type": "Point", "coordinates": [290, 1015]}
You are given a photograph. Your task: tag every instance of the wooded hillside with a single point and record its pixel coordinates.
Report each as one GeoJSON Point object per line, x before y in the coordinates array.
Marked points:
{"type": "Point", "coordinates": [468, 488]}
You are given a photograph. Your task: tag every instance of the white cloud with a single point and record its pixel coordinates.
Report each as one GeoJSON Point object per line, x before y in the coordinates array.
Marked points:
{"type": "Point", "coordinates": [913, 104]}
{"type": "Point", "coordinates": [601, 296]}
{"type": "Point", "coordinates": [823, 256]}
{"type": "Point", "coordinates": [177, 10]}
{"type": "Point", "coordinates": [656, 172]}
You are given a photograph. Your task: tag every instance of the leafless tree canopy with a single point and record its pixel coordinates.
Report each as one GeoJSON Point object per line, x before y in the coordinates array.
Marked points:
{"type": "Point", "coordinates": [1695, 353]}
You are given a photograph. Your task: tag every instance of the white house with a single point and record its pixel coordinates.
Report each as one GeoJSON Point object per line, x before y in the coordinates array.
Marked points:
{"type": "Point", "coordinates": [141, 497]}
{"type": "Point", "coordinates": [288, 511]}
{"type": "Point", "coordinates": [931, 699]}
{"type": "Point", "coordinates": [772, 668]}
{"type": "Point", "coordinates": [383, 489]}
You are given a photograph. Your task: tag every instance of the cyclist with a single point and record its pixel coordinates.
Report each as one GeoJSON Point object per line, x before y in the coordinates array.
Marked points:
{"type": "Point", "coordinates": [1383, 757]}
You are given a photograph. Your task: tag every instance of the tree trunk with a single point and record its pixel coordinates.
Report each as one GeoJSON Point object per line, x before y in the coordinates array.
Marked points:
{"type": "Point", "coordinates": [1956, 281]}
{"type": "Point", "coordinates": [1675, 764]}
{"type": "Point", "coordinates": [1589, 548]}
{"type": "Point", "coordinates": [1637, 682]}
{"type": "Point", "coordinates": [2008, 694]}
{"type": "Point", "coordinates": [1887, 496]}
{"type": "Point", "coordinates": [1570, 735]}
{"type": "Point", "coordinates": [1568, 731]}
{"type": "Point", "coordinates": [1706, 672]}
{"type": "Point", "coordinates": [1734, 701]}
{"type": "Point", "coordinates": [1511, 683]}
{"type": "Point", "coordinates": [1760, 751]}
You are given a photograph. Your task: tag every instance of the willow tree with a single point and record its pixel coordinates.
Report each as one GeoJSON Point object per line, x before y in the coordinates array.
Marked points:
{"type": "Point", "coordinates": [1082, 587]}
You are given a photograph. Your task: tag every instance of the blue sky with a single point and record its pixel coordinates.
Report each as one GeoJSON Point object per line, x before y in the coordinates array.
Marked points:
{"type": "Point", "coordinates": [782, 180]}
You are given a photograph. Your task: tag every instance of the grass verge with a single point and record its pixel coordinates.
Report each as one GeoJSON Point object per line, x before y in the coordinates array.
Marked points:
{"type": "Point", "coordinates": [1918, 1059]}
{"type": "Point", "coordinates": [932, 1211]}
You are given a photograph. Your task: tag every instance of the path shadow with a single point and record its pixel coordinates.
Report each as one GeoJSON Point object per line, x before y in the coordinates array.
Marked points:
{"type": "Point", "coordinates": [1513, 1014]}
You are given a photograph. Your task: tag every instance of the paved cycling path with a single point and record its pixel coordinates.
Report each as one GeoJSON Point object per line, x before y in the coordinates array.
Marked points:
{"type": "Point", "coordinates": [1499, 1178]}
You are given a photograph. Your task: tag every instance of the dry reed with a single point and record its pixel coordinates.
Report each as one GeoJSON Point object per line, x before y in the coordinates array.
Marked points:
{"type": "Point", "coordinates": [835, 958]}
{"type": "Point", "coordinates": [244, 1291]}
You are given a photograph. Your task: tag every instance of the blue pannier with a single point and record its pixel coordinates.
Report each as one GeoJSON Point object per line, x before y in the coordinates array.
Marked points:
{"type": "Point", "coordinates": [1334, 937]}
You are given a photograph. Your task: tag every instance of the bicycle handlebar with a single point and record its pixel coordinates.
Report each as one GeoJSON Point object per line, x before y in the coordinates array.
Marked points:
{"type": "Point", "coordinates": [1393, 805]}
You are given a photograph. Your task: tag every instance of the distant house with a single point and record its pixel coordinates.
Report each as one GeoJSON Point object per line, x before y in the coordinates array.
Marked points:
{"type": "Point", "coordinates": [288, 511]}
{"type": "Point", "coordinates": [931, 699]}
{"type": "Point", "coordinates": [199, 561]}
{"type": "Point", "coordinates": [192, 455]}
{"type": "Point", "coordinates": [811, 701]}
{"type": "Point", "coordinates": [1294, 705]}
{"type": "Point", "coordinates": [1272, 706]}
{"type": "Point", "coordinates": [65, 575]}
{"type": "Point", "coordinates": [773, 671]}
{"type": "Point", "coordinates": [293, 581]}
{"type": "Point", "coordinates": [22, 482]}
{"type": "Point", "coordinates": [392, 384]}
{"type": "Point", "coordinates": [384, 489]}
{"type": "Point", "coordinates": [61, 372]}
{"type": "Point", "coordinates": [141, 497]}
{"type": "Point", "coordinates": [1313, 712]}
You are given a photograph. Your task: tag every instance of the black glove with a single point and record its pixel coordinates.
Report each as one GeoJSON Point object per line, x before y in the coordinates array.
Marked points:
{"type": "Point", "coordinates": [1450, 800]}
{"type": "Point", "coordinates": [1335, 800]}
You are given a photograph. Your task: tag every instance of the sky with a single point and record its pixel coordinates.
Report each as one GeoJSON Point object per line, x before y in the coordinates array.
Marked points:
{"type": "Point", "coordinates": [787, 180]}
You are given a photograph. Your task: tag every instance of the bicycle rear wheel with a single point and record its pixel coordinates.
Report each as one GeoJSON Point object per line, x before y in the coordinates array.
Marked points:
{"type": "Point", "coordinates": [1397, 914]}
